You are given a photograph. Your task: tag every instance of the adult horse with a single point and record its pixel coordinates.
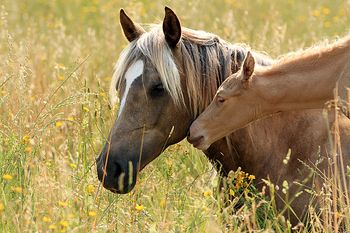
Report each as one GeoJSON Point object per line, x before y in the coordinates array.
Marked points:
{"type": "Point", "coordinates": [166, 77]}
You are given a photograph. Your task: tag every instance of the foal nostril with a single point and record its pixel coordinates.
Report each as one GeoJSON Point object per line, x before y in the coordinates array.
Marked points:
{"type": "Point", "coordinates": [195, 140]}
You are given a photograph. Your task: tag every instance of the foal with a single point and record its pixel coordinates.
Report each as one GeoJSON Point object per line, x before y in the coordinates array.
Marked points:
{"type": "Point", "coordinates": [302, 81]}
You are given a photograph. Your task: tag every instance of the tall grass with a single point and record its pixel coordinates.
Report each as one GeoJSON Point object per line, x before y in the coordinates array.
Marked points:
{"type": "Point", "coordinates": [56, 61]}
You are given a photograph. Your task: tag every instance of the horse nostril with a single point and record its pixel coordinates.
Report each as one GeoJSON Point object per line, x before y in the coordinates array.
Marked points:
{"type": "Point", "coordinates": [118, 170]}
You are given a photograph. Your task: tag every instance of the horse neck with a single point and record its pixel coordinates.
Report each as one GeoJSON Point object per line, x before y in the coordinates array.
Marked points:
{"type": "Point", "coordinates": [304, 83]}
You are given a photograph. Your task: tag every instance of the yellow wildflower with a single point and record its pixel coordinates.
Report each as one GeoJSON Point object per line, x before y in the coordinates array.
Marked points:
{"type": "Point", "coordinates": [162, 203]}
{"type": "Point", "coordinates": [73, 165]}
{"type": "Point", "coordinates": [336, 19]}
{"type": "Point", "coordinates": [207, 193]}
{"type": "Point", "coordinates": [52, 227]}
{"type": "Point", "coordinates": [139, 207]}
{"type": "Point", "coordinates": [316, 13]}
{"type": "Point", "coordinates": [16, 189]}
{"type": "Point", "coordinates": [251, 177]}
{"type": "Point", "coordinates": [63, 203]}
{"type": "Point", "coordinates": [86, 109]}
{"type": "Point", "coordinates": [58, 124]}
{"type": "Point", "coordinates": [240, 179]}
{"type": "Point", "coordinates": [338, 214]}
{"type": "Point", "coordinates": [232, 193]}
{"type": "Point", "coordinates": [92, 214]}
{"type": "Point", "coordinates": [28, 149]}
{"type": "Point", "coordinates": [26, 139]}
{"type": "Point", "coordinates": [2, 207]}
{"type": "Point", "coordinates": [64, 223]}
{"type": "Point", "coordinates": [7, 177]}
{"type": "Point", "coordinates": [103, 94]}
{"type": "Point", "coordinates": [90, 188]}
{"type": "Point", "coordinates": [70, 118]}
{"type": "Point", "coordinates": [61, 77]}
{"type": "Point", "coordinates": [46, 219]}
{"type": "Point", "coordinates": [325, 10]}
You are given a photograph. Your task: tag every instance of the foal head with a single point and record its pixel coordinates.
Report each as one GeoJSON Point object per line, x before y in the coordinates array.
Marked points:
{"type": "Point", "coordinates": [233, 106]}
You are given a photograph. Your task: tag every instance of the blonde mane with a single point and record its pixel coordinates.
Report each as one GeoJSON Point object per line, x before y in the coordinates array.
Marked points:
{"type": "Point", "coordinates": [202, 61]}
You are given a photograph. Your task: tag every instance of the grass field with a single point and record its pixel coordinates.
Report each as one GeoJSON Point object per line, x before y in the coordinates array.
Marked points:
{"type": "Point", "coordinates": [56, 62]}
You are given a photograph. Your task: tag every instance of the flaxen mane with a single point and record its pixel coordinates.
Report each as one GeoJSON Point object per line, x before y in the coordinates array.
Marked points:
{"type": "Point", "coordinates": [204, 60]}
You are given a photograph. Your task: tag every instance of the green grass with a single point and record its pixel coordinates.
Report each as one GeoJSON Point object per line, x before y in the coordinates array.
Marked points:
{"type": "Point", "coordinates": [56, 62]}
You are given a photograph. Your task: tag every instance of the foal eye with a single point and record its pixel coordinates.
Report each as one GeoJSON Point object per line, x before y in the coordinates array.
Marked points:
{"type": "Point", "coordinates": [157, 90]}
{"type": "Point", "coordinates": [220, 99]}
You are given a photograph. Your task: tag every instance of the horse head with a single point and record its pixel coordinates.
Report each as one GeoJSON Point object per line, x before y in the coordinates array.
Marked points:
{"type": "Point", "coordinates": [149, 117]}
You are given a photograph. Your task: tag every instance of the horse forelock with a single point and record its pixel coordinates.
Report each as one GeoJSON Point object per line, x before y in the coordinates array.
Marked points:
{"type": "Point", "coordinates": [152, 46]}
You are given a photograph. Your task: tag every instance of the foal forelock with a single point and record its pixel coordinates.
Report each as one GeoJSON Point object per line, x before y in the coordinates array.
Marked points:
{"type": "Point", "coordinates": [203, 60]}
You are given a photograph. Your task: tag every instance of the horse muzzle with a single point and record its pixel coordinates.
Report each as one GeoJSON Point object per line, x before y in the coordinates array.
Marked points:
{"type": "Point", "coordinates": [116, 176]}
{"type": "Point", "coordinates": [197, 138]}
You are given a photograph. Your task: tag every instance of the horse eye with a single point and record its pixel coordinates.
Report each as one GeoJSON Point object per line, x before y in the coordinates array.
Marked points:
{"type": "Point", "coordinates": [157, 90]}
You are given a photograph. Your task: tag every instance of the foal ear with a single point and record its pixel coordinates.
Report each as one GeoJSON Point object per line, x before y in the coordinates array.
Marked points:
{"type": "Point", "coordinates": [248, 66]}
{"type": "Point", "coordinates": [171, 28]}
{"type": "Point", "coordinates": [131, 31]}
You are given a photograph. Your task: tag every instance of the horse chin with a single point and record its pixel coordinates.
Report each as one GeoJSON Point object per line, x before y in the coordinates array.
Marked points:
{"type": "Point", "coordinates": [126, 190]}
{"type": "Point", "coordinates": [203, 146]}
{"type": "Point", "coordinates": [121, 190]}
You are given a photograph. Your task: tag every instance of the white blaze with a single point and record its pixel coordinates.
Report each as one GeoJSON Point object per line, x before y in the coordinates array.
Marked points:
{"type": "Point", "coordinates": [134, 71]}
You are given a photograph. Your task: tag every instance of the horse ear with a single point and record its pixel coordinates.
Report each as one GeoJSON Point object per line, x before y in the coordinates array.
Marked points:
{"type": "Point", "coordinates": [248, 66]}
{"type": "Point", "coordinates": [131, 31]}
{"type": "Point", "coordinates": [171, 28]}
